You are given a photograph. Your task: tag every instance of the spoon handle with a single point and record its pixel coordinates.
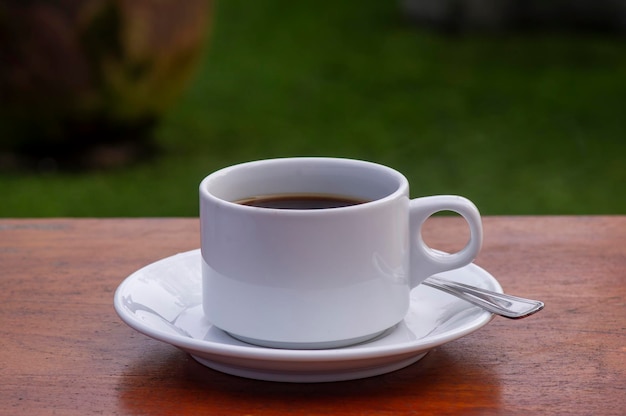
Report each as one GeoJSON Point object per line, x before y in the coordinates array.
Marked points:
{"type": "Point", "coordinates": [504, 305]}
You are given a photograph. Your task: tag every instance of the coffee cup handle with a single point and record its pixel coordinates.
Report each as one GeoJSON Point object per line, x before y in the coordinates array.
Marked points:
{"type": "Point", "coordinates": [426, 261]}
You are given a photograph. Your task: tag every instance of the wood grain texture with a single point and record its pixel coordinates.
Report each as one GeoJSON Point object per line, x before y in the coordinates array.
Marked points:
{"type": "Point", "coordinates": [65, 351]}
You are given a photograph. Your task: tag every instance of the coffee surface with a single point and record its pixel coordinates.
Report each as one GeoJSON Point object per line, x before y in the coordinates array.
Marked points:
{"type": "Point", "coordinates": [301, 201]}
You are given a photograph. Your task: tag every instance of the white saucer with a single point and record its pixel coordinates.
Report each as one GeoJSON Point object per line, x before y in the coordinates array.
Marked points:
{"type": "Point", "coordinates": [163, 301]}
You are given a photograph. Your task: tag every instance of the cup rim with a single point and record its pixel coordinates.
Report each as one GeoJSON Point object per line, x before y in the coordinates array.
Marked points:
{"type": "Point", "coordinates": [401, 188]}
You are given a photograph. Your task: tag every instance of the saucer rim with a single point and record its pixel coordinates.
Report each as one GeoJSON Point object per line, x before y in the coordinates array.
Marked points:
{"type": "Point", "coordinates": [251, 352]}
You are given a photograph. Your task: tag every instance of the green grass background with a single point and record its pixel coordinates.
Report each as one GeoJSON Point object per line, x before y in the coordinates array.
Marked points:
{"type": "Point", "coordinates": [519, 123]}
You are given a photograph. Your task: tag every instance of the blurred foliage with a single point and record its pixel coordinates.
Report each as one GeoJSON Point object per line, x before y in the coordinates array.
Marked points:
{"type": "Point", "coordinates": [80, 71]}
{"type": "Point", "coordinates": [521, 123]}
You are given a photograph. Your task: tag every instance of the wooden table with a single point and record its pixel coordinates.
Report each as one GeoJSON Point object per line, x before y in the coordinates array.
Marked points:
{"type": "Point", "coordinates": [65, 351]}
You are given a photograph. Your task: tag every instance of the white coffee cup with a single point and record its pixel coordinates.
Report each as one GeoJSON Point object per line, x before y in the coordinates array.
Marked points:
{"type": "Point", "coordinates": [318, 278]}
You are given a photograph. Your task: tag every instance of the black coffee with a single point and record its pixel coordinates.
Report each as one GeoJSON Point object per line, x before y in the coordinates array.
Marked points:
{"type": "Point", "coordinates": [301, 201]}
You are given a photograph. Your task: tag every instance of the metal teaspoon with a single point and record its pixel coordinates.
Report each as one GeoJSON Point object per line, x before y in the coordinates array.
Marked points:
{"type": "Point", "coordinates": [501, 304]}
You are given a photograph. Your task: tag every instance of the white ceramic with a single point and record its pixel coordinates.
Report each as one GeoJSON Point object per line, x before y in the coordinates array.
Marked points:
{"type": "Point", "coordinates": [163, 300]}
{"type": "Point", "coordinates": [318, 278]}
